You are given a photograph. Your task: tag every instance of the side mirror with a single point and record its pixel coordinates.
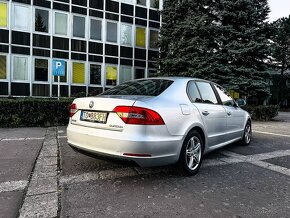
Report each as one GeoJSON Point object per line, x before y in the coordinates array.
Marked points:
{"type": "Point", "coordinates": [241, 102]}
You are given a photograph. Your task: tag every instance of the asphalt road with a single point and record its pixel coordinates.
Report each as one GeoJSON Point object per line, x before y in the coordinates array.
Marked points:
{"type": "Point", "coordinates": [42, 176]}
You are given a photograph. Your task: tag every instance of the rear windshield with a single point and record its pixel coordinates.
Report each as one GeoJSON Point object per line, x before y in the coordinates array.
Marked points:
{"type": "Point", "coordinates": [146, 87]}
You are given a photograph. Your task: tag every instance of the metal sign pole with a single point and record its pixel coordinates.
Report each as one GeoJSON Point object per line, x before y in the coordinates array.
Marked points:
{"type": "Point", "coordinates": [58, 87]}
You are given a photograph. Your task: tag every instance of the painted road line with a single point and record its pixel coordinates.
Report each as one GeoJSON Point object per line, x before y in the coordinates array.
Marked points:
{"type": "Point", "coordinates": [270, 133]}
{"type": "Point", "coordinates": [62, 136]}
{"type": "Point", "coordinates": [272, 167]}
{"type": "Point", "coordinates": [13, 186]}
{"type": "Point", "coordinates": [22, 139]}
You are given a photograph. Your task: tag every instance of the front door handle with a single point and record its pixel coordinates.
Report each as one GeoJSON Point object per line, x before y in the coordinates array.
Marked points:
{"type": "Point", "coordinates": [229, 113]}
{"type": "Point", "coordinates": [205, 113]}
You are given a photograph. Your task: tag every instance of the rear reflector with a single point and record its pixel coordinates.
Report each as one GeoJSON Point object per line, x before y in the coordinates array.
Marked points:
{"type": "Point", "coordinates": [137, 155]}
{"type": "Point", "coordinates": [138, 115]}
{"type": "Point", "coordinates": [73, 109]}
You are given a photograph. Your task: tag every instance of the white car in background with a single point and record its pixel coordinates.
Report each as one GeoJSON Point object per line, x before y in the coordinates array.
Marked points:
{"type": "Point", "coordinates": [158, 121]}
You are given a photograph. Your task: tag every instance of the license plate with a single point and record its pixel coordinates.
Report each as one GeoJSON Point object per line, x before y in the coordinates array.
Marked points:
{"type": "Point", "coordinates": [93, 116]}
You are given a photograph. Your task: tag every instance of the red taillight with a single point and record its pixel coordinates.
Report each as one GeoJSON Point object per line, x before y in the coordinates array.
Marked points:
{"type": "Point", "coordinates": [73, 109]}
{"type": "Point", "coordinates": [138, 115]}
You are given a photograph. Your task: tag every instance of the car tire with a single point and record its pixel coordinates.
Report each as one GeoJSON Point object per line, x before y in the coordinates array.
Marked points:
{"type": "Point", "coordinates": [247, 137]}
{"type": "Point", "coordinates": [191, 154]}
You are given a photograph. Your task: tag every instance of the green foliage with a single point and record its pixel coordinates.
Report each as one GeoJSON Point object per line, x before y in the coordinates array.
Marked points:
{"type": "Point", "coordinates": [225, 41]}
{"type": "Point", "coordinates": [33, 112]}
{"type": "Point", "coordinates": [262, 113]}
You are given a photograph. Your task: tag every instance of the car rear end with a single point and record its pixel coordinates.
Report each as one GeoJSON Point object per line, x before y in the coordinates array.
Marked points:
{"type": "Point", "coordinates": [111, 124]}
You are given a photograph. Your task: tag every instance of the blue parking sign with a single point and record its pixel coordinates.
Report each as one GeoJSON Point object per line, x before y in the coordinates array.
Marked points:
{"type": "Point", "coordinates": [58, 67]}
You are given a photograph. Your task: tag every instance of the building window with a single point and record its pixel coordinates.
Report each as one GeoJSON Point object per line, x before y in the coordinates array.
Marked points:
{"type": "Point", "coordinates": [96, 29]}
{"type": "Point", "coordinates": [111, 75]}
{"type": "Point", "coordinates": [3, 14]}
{"type": "Point", "coordinates": [141, 2]}
{"type": "Point", "coordinates": [111, 32]}
{"type": "Point", "coordinates": [95, 74]}
{"type": "Point", "coordinates": [62, 79]}
{"type": "Point", "coordinates": [139, 73]}
{"type": "Point", "coordinates": [20, 68]}
{"type": "Point", "coordinates": [21, 17]}
{"type": "Point", "coordinates": [78, 73]}
{"type": "Point", "coordinates": [60, 26]}
{"type": "Point", "coordinates": [153, 38]}
{"type": "Point", "coordinates": [41, 70]}
{"type": "Point", "coordinates": [3, 69]}
{"type": "Point", "coordinates": [154, 4]}
{"type": "Point", "coordinates": [126, 34]}
{"type": "Point", "coordinates": [41, 20]}
{"type": "Point", "coordinates": [79, 26]}
{"type": "Point", "coordinates": [152, 73]}
{"type": "Point", "coordinates": [140, 37]}
{"type": "Point", "coordinates": [125, 74]}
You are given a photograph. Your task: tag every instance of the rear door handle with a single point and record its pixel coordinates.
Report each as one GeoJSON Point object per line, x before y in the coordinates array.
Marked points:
{"type": "Point", "coordinates": [205, 113]}
{"type": "Point", "coordinates": [229, 113]}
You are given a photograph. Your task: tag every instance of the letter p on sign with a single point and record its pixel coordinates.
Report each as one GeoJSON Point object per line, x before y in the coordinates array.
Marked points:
{"type": "Point", "coordinates": [58, 67]}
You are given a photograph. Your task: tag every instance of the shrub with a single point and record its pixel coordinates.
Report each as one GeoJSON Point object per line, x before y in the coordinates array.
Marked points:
{"type": "Point", "coordinates": [33, 112]}
{"type": "Point", "coordinates": [262, 113]}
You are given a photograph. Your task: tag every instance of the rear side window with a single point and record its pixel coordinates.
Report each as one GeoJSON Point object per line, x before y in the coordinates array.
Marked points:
{"type": "Point", "coordinates": [146, 87]}
{"type": "Point", "coordinates": [193, 92]}
{"type": "Point", "coordinates": [207, 93]}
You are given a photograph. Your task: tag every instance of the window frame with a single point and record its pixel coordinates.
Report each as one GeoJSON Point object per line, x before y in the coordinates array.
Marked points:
{"type": "Point", "coordinates": [89, 74]}
{"type": "Point", "coordinates": [139, 68]}
{"type": "Point", "coordinates": [7, 15]}
{"type": "Point", "coordinates": [85, 76]}
{"type": "Point", "coordinates": [67, 26]}
{"type": "Point", "coordinates": [132, 34]}
{"type": "Point", "coordinates": [7, 66]}
{"type": "Point", "coordinates": [29, 20]}
{"type": "Point", "coordinates": [49, 20]}
{"type": "Point", "coordinates": [28, 57]}
{"type": "Point", "coordinates": [72, 27]}
{"type": "Point", "coordinates": [149, 41]}
{"type": "Point", "coordinates": [102, 29]}
{"type": "Point", "coordinates": [117, 33]}
{"type": "Point", "coordinates": [153, 7]}
{"type": "Point", "coordinates": [135, 37]}
{"type": "Point", "coordinates": [105, 75]}
{"type": "Point", "coordinates": [119, 73]}
{"type": "Point", "coordinates": [48, 69]}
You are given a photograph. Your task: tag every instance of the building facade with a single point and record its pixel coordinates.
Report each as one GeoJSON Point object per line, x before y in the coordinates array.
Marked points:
{"type": "Point", "coordinates": [102, 43]}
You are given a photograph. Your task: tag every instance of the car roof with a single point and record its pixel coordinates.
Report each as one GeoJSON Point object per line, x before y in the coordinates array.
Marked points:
{"type": "Point", "coordinates": [185, 79]}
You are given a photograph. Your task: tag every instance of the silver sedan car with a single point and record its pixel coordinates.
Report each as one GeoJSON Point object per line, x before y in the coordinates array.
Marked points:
{"type": "Point", "coordinates": [158, 121]}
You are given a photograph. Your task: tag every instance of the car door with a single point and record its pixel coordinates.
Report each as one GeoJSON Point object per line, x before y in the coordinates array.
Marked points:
{"type": "Point", "coordinates": [213, 114]}
{"type": "Point", "coordinates": [235, 116]}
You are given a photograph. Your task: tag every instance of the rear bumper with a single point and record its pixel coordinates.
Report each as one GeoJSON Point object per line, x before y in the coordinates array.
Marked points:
{"type": "Point", "coordinates": [163, 149]}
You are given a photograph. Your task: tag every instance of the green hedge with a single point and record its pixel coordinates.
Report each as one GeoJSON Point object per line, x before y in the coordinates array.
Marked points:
{"type": "Point", "coordinates": [262, 113]}
{"type": "Point", "coordinates": [34, 112]}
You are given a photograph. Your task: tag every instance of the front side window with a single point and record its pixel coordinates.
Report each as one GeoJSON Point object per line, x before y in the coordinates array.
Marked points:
{"type": "Point", "coordinates": [153, 38]}
{"type": "Point", "coordinates": [78, 73]}
{"type": "Point", "coordinates": [111, 32]}
{"type": "Point", "coordinates": [20, 68]}
{"type": "Point", "coordinates": [60, 26]}
{"type": "Point", "coordinates": [125, 74]}
{"type": "Point", "coordinates": [3, 14]}
{"type": "Point", "coordinates": [96, 29]}
{"type": "Point", "coordinates": [207, 93]}
{"type": "Point", "coordinates": [111, 75]}
{"type": "Point", "coordinates": [41, 70]}
{"type": "Point", "coordinates": [140, 37]}
{"type": "Point", "coordinates": [126, 34]}
{"type": "Point", "coordinates": [225, 97]}
{"type": "Point", "coordinates": [21, 17]}
{"type": "Point", "coordinates": [193, 92]}
{"type": "Point", "coordinates": [41, 20]}
{"type": "Point", "coordinates": [79, 26]}
{"type": "Point", "coordinates": [95, 74]}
